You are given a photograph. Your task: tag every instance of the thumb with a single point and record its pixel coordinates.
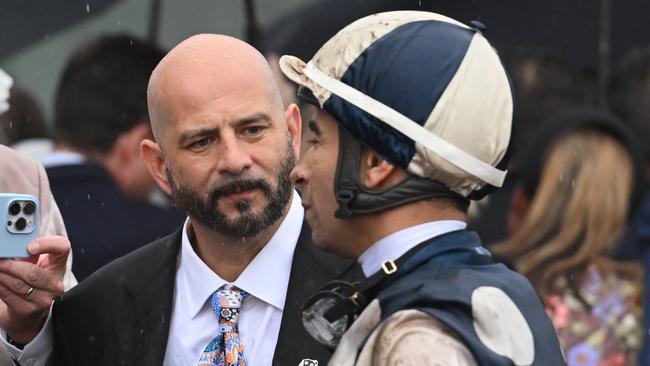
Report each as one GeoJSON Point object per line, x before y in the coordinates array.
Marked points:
{"type": "Point", "coordinates": [57, 247]}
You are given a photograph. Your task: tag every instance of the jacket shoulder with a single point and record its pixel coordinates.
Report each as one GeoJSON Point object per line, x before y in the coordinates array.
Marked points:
{"type": "Point", "coordinates": [138, 267]}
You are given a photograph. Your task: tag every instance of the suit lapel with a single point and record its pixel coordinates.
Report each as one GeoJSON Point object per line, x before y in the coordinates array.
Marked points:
{"type": "Point", "coordinates": [151, 291]}
{"type": "Point", "coordinates": [310, 269]}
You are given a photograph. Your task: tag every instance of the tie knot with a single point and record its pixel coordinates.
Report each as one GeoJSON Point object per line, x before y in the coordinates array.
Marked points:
{"type": "Point", "coordinates": [226, 302]}
{"type": "Point", "coordinates": [229, 296]}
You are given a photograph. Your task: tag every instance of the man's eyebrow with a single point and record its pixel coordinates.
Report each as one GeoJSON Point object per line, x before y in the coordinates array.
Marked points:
{"type": "Point", "coordinates": [191, 134]}
{"type": "Point", "coordinates": [313, 126]}
{"type": "Point", "coordinates": [258, 117]}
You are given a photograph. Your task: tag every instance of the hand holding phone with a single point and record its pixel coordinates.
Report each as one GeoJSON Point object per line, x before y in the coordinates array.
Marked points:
{"type": "Point", "coordinates": [20, 216]}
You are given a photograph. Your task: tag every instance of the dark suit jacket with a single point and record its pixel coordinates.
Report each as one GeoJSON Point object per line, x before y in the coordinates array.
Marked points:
{"type": "Point", "coordinates": [120, 315]}
{"type": "Point", "coordinates": [103, 223]}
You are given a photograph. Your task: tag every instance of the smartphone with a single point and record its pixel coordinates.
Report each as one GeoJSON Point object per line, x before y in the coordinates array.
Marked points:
{"type": "Point", "coordinates": [20, 216]}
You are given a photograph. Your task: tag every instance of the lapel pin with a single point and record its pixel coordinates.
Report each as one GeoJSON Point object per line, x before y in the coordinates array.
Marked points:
{"type": "Point", "coordinates": [308, 362]}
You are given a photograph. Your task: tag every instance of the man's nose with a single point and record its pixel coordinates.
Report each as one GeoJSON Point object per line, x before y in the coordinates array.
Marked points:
{"type": "Point", "coordinates": [233, 158]}
{"type": "Point", "coordinates": [300, 175]}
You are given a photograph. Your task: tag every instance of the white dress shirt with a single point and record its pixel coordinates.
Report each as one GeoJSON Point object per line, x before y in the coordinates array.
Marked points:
{"type": "Point", "coordinates": [194, 324]}
{"type": "Point", "coordinates": [397, 244]}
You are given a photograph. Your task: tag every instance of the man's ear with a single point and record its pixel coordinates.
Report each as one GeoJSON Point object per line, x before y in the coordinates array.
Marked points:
{"type": "Point", "coordinates": [294, 126]}
{"type": "Point", "coordinates": [377, 173]}
{"type": "Point", "coordinates": [155, 163]}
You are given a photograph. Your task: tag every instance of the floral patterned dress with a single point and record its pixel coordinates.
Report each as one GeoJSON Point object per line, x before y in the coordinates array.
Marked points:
{"type": "Point", "coordinates": [604, 329]}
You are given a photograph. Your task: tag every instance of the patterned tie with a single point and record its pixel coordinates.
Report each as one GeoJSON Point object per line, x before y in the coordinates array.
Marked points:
{"type": "Point", "coordinates": [226, 348]}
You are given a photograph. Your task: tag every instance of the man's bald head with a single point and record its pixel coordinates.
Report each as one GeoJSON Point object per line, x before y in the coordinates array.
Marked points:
{"type": "Point", "coordinates": [199, 68]}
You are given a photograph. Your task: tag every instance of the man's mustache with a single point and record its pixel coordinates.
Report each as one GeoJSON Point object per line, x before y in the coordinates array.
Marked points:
{"type": "Point", "coordinates": [240, 186]}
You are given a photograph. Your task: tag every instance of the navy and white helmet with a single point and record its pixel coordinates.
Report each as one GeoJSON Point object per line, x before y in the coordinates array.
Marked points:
{"type": "Point", "coordinates": [425, 91]}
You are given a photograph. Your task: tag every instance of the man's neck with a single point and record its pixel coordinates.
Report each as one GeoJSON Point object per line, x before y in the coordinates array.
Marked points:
{"type": "Point", "coordinates": [225, 255]}
{"type": "Point", "coordinates": [373, 228]}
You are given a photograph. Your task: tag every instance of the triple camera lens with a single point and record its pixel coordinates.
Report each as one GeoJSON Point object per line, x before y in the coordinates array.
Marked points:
{"type": "Point", "coordinates": [27, 207]}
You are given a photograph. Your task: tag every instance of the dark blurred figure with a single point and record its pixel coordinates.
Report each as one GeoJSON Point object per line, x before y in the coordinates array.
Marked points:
{"type": "Point", "coordinates": [24, 127]}
{"type": "Point", "coordinates": [302, 31]}
{"type": "Point", "coordinates": [24, 120]}
{"type": "Point", "coordinates": [577, 187]}
{"type": "Point", "coordinates": [543, 84]}
{"type": "Point", "coordinates": [97, 175]}
{"type": "Point", "coordinates": [629, 97]}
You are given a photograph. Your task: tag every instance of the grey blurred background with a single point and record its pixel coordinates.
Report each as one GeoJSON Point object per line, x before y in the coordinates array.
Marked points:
{"type": "Point", "coordinates": [37, 36]}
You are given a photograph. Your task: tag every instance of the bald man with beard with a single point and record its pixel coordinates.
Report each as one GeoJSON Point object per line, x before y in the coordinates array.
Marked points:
{"type": "Point", "coordinates": [224, 148]}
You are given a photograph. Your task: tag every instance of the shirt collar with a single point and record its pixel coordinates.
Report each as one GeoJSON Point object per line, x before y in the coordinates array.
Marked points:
{"type": "Point", "coordinates": [59, 158]}
{"type": "Point", "coordinates": [396, 244]}
{"type": "Point", "coordinates": [266, 277]}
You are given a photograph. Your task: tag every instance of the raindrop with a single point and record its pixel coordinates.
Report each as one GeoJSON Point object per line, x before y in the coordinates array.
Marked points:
{"type": "Point", "coordinates": [420, 3]}
{"type": "Point", "coordinates": [88, 196]}
{"type": "Point", "coordinates": [87, 8]}
{"type": "Point", "coordinates": [119, 22]}
{"type": "Point", "coordinates": [573, 183]}
{"type": "Point", "coordinates": [11, 124]}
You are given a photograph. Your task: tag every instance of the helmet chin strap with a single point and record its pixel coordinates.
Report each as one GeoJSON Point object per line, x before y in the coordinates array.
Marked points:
{"type": "Point", "coordinates": [354, 199]}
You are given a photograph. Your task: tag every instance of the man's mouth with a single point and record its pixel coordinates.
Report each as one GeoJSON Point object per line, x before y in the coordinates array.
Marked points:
{"type": "Point", "coordinates": [240, 194]}
{"type": "Point", "coordinates": [242, 190]}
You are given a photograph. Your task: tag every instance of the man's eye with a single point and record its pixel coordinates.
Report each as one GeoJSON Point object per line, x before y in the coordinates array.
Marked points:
{"type": "Point", "coordinates": [312, 141]}
{"type": "Point", "coordinates": [254, 130]}
{"type": "Point", "coordinates": [204, 142]}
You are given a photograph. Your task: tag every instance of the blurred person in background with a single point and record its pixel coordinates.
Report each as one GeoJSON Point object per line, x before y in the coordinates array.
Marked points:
{"type": "Point", "coordinates": [577, 188]}
{"type": "Point", "coordinates": [542, 83]}
{"type": "Point", "coordinates": [629, 97]}
{"type": "Point", "coordinates": [24, 125]}
{"type": "Point", "coordinates": [19, 174]}
{"type": "Point", "coordinates": [29, 292]}
{"type": "Point", "coordinates": [96, 173]}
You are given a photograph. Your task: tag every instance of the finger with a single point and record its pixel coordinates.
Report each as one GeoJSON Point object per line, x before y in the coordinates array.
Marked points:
{"type": "Point", "coordinates": [36, 303]}
{"type": "Point", "coordinates": [56, 246]}
{"type": "Point", "coordinates": [15, 285]}
{"type": "Point", "coordinates": [31, 274]}
{"type": "Point", "coordinates": [25, 291]}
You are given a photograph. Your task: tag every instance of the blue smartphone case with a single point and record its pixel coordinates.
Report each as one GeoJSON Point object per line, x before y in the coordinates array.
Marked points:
{"type": "Point", "coordinates": [20, 217]}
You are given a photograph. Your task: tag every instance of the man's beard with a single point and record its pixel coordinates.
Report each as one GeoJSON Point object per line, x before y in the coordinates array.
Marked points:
{"type": "Point", "coordinates": [248, 224]}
